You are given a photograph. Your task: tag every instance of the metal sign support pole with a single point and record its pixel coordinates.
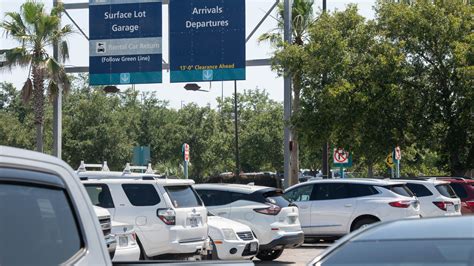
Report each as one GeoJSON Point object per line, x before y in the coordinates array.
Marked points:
{"type": "Point", "coordinates": [236, 116]}
{"type": "Point", "coordinates": [186, 169]}
{"type": "Point", "coordinates": [287, 99]}
{"type": "Point", "coordinates": [398, 168]}
{"type": "Point", "coordinates": [57, 106]}
{"type": "Point", "coordinates": [342, 172]}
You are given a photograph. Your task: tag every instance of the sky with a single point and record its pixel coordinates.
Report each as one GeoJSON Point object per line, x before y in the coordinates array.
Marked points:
{"type": "Point", "coordinates": [261, 77]}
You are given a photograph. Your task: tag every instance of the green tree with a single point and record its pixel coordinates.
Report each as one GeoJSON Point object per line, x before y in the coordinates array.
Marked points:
{"type": "Point", "coordinates": [36, 30]}
{"type": "Point", "coordinates": [302, 19]}
{"type": "Point", "coordinates": [437, 39]}
{"type": "Point", "coordinates": [260, 125]}
{"type": "Point", "coordinates": [97, 128]}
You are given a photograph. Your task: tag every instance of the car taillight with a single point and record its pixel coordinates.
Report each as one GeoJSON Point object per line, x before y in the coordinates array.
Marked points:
{"type": "Point", "coordinates": [400, 204]}
{"type": "Point", "coordinates": [168, 216]}
{"type": "Point", "coordinates": [272, 209]}
{"type": "Point", "coordinates": [442, 204]}
{"type": "Point", "coordinates": [134, 237]}
{"type": "Point", "coordinates": [470, 204]}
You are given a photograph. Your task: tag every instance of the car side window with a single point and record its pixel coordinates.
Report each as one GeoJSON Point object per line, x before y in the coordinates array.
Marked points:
{"type": "Point", "coordinates": [100, 195]}
{"type": "Point", "coordinates": [141, 194]}
{"type": "Point", "coordinates": [214, 197]}
{"type": "Point", "coordinates": [361, 190]}
{"type": "Point", "coordinates": [338, 191]}
{"type": "Point", "coordinates": [460, 190]}
{"type": "Point", "coordinates": [37, 225]}
{"type": "Point", "coordinates": [320, 192]}
{"type": "Point", "coordinates": [235, 196]}
{"type": "Point", "coordinates": [419, 190]}
{"type": "Point", "coordinates": [299, 194]}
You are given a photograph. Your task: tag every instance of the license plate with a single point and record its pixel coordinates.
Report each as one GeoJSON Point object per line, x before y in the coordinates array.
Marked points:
{"type": "Point", "coordinates": [193, 222]}
{"type": "Point", "coordinates": [450, 208]}
{"type": "Point", "coordinates": [253, 246]}
{"type": "Point", "coordinates": [291, 219]}
{"type": "Point", "coordinates": [123, 241]}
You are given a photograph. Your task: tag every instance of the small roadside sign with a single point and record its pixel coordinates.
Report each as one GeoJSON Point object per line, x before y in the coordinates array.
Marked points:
{"type": "Point", "coordinates": [341, 158]}
{"type": "Point", "coordinates": [141, 155]}
{"type": "Point", "coordinates": [398, 153]}
{"type": "Point", "coordinates": [389, 160]}
{"type": "Point", "coordinates": [186, 152]}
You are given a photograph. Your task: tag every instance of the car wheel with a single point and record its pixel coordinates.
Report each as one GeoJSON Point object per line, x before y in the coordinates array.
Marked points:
{"type": "Point", "coordinates": [269, 255]}
{"type": "Point", "coordinates": [363, 223]}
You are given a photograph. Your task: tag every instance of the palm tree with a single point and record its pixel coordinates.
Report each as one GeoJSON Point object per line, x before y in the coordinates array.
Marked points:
{"type": "Point", "coordinates": [302, 17]}
{"type": "Point", "coordinates": [35, 31]}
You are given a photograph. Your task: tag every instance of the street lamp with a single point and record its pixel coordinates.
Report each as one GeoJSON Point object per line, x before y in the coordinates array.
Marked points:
{"type": "Point", "coordinates": [111, 89]}
{"type": "Point", "coordinates": [192, 87]}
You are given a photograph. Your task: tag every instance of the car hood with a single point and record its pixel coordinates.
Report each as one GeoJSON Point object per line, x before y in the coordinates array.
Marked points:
{"type": "Point", "coordinates": [101, 212]}
{"type": "Point", "coordinates": [218, 223]}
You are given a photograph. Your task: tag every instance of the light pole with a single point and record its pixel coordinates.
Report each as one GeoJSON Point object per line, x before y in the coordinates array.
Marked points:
{"type": "Point", "coordinates": [57, 104]}
{"type": "Point", "coordinates": [287, 98]}
{"type": "Point", "coordinates": [236, 115]}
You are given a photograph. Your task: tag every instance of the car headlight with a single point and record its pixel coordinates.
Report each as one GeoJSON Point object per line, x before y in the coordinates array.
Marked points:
{"type": "Point", "coordinates": [229, 234]}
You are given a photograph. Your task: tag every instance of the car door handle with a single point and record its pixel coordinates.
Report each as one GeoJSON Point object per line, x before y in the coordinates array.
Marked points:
{"type": "Point", "coordinates": [303, 207]}
{"type": "Point", "coordinates": [348, 205]}
{"type": "Point", "coordinates": [221, 213]}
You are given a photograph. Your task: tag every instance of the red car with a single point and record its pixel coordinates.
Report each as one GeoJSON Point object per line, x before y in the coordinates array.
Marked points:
{"type": "Point", "coordinates": [464, 188]}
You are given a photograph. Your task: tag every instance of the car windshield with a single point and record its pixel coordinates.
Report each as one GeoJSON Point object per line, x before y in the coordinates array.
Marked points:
{"type": "Point", "coordinates": [446, 252]}
{"type": "Point", "coordinates": [446, 191]}
{"type": "Point", "coordinates": [183, 196]}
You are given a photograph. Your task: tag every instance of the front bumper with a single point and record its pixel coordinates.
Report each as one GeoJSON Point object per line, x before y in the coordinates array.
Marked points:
{"type": "Point", "coordinates": [285, 241]}
{"type": "Point", "coordinates": [127, 254]}
{"type": "Point", "coordinates": [242, 250]}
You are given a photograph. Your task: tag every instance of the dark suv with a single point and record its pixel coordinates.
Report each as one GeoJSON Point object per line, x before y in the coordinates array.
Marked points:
{"type": "Point", "coordinates": [464, 188]}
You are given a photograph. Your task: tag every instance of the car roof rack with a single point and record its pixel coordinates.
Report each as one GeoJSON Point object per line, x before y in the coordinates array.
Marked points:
{"type": "Point", "coordinates": [83, 166]}
{"type": "Point", "coordinates": [450, 177]}
{"type": "Point", "coordinates": [129, 169]}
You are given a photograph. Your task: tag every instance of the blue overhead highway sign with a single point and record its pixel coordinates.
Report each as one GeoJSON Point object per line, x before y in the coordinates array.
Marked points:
{"type": "Point", "coordinates": [125, 45]}
{"type": "Point", "coordinates": [207, 40]}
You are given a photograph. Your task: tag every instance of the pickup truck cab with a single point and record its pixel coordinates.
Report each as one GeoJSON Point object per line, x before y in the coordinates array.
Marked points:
{"type": "Point", "coordinates": [46, 217]}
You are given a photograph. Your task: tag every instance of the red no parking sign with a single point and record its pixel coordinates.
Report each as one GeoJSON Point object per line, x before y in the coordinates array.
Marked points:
{"type": "Point", "coordinates": [341, 158]}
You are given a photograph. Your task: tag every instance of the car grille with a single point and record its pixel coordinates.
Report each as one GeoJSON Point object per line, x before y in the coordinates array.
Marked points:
{"type": "Point", "coordinates": [245, 235]}
{"type": "Point", "coordinates": [105, 225]}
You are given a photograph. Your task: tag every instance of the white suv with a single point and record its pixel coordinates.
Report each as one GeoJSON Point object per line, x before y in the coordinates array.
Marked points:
{"type": "Point", "coordinates": [271, 217]}
{"type": "Point", "coordinates": [334, 207]}
{"type": "Point", "coordinates": [436, 197]}
{"type": "Point", "coordinates": [168, 215]}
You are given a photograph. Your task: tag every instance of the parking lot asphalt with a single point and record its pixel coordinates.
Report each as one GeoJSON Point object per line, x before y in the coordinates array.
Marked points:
{"type": "Point", "coordinates": [297, 256]}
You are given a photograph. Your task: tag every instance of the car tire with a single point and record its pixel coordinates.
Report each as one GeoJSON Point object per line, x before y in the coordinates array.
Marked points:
{"type": "Point", "coordinates": [363, 222]}
{"type": "Point", "coordinates": [269, 255]}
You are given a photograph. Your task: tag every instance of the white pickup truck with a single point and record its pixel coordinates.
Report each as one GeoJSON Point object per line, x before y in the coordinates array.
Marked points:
{"type": "Point", "coordinates": [47, 218]}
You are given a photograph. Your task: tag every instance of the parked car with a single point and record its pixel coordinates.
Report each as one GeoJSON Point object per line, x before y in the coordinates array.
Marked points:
{"type": "Point", "coordinates": [169, 217]}
{"type": "Point", "coordinates": [431, 241]}
{"type": "Point", "coordinates": [105, 221]}
{"type": "Point", "coordinates": [271, 217]}
{"type": "Point", "coordinates": [436, 197]}
{"type": "Point", "coordinates": [127, 246]}
{"type": "Point", "coordinates": [464, 188]}
{"type": "Point", "coordinates": [231, 240]}
{"type": "Point", "coordinates": [47, 217]}
{"type": "Point", "coordinates": [331, 208]}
